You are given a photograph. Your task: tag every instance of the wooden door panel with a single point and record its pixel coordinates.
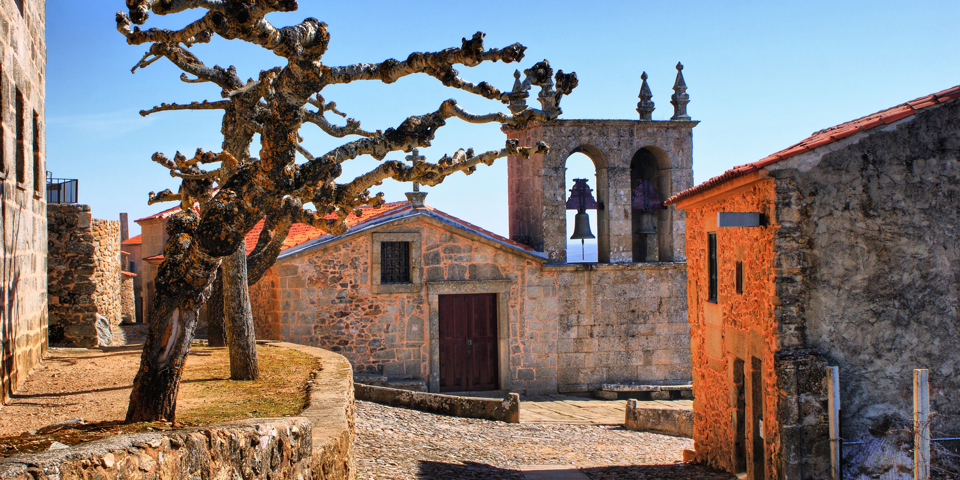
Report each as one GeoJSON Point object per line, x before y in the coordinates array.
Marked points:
{"type": "Point", "coordinates": [468, 342]}
{"type": "Point", "coordinates": [452, 337]}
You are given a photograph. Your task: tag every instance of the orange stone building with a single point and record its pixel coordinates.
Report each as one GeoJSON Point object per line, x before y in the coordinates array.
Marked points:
{"type": "Point", "coordinates": [840, 250]}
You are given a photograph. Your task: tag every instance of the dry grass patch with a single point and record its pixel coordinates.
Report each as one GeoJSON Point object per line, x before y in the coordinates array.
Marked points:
{"type": "Point", "coordinates": [206, 396]}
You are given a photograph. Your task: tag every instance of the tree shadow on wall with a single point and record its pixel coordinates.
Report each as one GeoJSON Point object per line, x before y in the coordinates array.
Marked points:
{"type": "Point", "coordinates": [677, 471]}
{"type": "Point", "coordinates": [466, 470]}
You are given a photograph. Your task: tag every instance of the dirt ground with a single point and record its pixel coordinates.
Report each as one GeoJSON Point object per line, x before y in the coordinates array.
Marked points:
{"type": "Point", "coordinates": [93, 384]}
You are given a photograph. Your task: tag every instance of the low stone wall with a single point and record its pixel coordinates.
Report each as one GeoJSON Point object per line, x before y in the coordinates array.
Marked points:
{"type": "Point", "coordinates": [251, 449]}
{"type": "Point", "coordinates": [503, 410]}
{"type": "Point", "coordinates": [317, 445]}
{"type": "Point", "coordinates": [668, 421]}
{"type": "Point", "coordinates": [333, 413]}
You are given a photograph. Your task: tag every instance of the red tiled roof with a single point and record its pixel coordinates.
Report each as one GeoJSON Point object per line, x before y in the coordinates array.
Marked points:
{"type": "Point", "coordinates": [164, 214]}
{"type": "Point", "coordinates": [127, 274]}
{"type": "Point", "coordinates": [300, 233]}
{"type": "Point", "coordinates": [826, 137]}
{"type": "Point", "coordinates": [133, 241]}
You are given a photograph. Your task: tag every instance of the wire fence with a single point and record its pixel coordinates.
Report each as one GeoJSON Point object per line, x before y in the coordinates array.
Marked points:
{"type": "Point", "coordinates": [887, 453]}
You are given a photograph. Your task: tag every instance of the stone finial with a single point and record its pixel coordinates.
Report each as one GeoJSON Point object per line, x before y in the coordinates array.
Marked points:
{"type": "Point", "coordinates": [645, 105]}
{"type": "Point", "coordinates": [680, 99]}
{"type": "Point", "coordinates": [416, 197]}
{"type": "Point", "coordinates": [519, 102]}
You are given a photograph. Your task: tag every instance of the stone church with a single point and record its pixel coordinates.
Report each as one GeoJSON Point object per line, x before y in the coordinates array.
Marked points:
{"type": "Point", "coordinates": [431, 301]}
{"type": "Point", "coordinates": [415, 295]}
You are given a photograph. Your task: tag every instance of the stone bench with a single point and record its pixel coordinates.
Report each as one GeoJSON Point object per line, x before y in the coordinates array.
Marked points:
{"type": "Point", "coordinates": [677, 422]}
{"type": "Point", "coordinates": [613, 391]}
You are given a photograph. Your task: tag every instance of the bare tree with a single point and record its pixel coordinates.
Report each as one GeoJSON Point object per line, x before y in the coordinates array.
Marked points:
{"type": "Point", "coordinates": [212, 223]}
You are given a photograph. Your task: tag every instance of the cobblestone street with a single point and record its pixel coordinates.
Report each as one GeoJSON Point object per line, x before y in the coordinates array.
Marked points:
{"type": "Point", "coordinates": [395, 444]}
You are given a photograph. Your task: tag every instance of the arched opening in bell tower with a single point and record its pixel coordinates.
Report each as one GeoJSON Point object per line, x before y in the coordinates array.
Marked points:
{"type": "Point", "coordinates": [580, 166]}
{"type": "Point", "coordinates": [647, 187]}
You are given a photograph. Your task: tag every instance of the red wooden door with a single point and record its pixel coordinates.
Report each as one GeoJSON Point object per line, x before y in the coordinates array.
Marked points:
{"type": "Point", "coordinates": [468, 342]}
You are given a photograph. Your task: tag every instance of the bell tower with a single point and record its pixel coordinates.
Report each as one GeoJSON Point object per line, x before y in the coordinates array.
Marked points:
{"type": "Point", "coordinates": [639, 163]}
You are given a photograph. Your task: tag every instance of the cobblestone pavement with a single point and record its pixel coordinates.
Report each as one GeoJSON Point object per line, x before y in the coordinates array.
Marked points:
{"type": "Point", "coordinates": [398, 444]}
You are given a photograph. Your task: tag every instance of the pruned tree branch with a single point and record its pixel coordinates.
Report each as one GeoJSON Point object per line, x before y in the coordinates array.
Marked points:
{"type": "Point", "coordinates": [204, 105]}
{"type": "Point", "coordinates": [429, 174]}
{"type": "Point", "coordinates": [437, 64]}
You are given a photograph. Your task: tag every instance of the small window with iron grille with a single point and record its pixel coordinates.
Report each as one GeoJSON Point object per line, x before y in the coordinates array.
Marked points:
{"type": "Point", "coordinates": [394, 262]}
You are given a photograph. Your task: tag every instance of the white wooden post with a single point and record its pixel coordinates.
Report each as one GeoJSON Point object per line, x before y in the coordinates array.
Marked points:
{"type": "Point", "coordinates": [833, 414]}
{"type": "Point", "coordinates": [921, 425]}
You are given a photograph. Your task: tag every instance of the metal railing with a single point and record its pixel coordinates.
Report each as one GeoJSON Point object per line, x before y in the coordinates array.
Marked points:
{"type": "Point", "coordinates": [61, 190]}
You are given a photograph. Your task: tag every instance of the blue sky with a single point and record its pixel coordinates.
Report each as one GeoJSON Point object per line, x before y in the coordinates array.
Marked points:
{"type": "Point", "coordinates": [761, 76]}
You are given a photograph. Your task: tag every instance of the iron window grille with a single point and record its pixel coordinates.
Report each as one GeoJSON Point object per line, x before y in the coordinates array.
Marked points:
{"type": "Point", "coordinates": [394, 262]}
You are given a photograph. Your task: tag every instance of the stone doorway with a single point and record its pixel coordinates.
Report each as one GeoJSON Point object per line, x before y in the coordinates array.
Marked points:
{"type": "Point", "coordinates": [468, 342]}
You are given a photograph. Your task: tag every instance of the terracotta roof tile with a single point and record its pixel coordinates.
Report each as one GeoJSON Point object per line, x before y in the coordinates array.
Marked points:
{"type": "Point", "coordinates": [300, 233]}
{"type": "Point", "coordinates": [826, 137]}
{"type": "Point", "coordinates": [164, 214]}
{"type": "Point", "coordinates": [133, 241]}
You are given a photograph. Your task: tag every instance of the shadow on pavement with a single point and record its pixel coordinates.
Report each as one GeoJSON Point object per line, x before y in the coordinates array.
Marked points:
{"type": "Point", "coordinates": [678, 471]}
{"type": "Point", "coordinates": [468, 470]}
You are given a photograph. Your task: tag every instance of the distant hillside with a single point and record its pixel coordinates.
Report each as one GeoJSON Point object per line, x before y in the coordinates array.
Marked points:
{"type": "Point", "coordinates": [574, 255]}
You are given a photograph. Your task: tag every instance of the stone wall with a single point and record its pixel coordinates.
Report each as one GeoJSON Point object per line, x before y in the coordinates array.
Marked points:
{"type": "Point", "coordinates": [106, 275]}
{"type": "Point", "coordinates": [23, 270]}
{"type": "Point", "coordinates": [83, 276]}
{"type": "Point", "coordinates": [253, 449]}
{"type": "Point", "coordinates": [734, 338]}
{"type": "Point", "coordinates": [621, 324]}
{"type": "Point", "coordinates": [878, 258]}
{"type": "Point", "coordinates": [128, 300]}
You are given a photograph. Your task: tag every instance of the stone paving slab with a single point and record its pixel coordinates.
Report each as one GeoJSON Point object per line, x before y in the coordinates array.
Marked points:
{"type": "Point", "coordinates": [571, 410]}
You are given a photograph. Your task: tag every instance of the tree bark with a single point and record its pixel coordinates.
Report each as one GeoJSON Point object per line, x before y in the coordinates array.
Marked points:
{"type": "Point", "coordinates": [155, 387]}
{"type": "Point", "coordinates": [238, 317]}
{"type": "Point", "coordinates": [216, 334]}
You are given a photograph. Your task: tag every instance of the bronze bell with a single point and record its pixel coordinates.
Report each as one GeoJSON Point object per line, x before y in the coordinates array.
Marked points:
{"type": "Point", "coordinates": [581, 227]}
{"type": "Point", "coordinates": [647, 226]}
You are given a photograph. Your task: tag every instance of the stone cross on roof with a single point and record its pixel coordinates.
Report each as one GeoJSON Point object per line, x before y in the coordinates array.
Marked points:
{"type": "Point", "coordinates": [416, 197]}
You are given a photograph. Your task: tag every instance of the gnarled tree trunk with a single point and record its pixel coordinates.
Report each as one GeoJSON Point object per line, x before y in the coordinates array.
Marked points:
{"type": "Point", "coordinates": [238, 317]}
{"type": "Point", "coordinates": [216, 334]}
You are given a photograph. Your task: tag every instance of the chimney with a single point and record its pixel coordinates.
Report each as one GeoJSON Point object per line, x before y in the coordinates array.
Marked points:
{"type": "Point", "coordinates": [124, 232]}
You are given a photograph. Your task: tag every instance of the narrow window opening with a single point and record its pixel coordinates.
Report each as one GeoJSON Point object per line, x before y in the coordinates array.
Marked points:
{"type": "Point", "coordinates": [19, 6]}
{"type": "Point", "coordinates": [394, 262]}
{"type": "Point", "coordinates": [37, 163]}
{"type": "Point", "coordinates": [21, 161]}
{"type": "Point", "coordinates": [712, 266]}
{"type": "Point", "coordinates": [3, 129]}
{"type": "Point", "coordinates": [739, 278]}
